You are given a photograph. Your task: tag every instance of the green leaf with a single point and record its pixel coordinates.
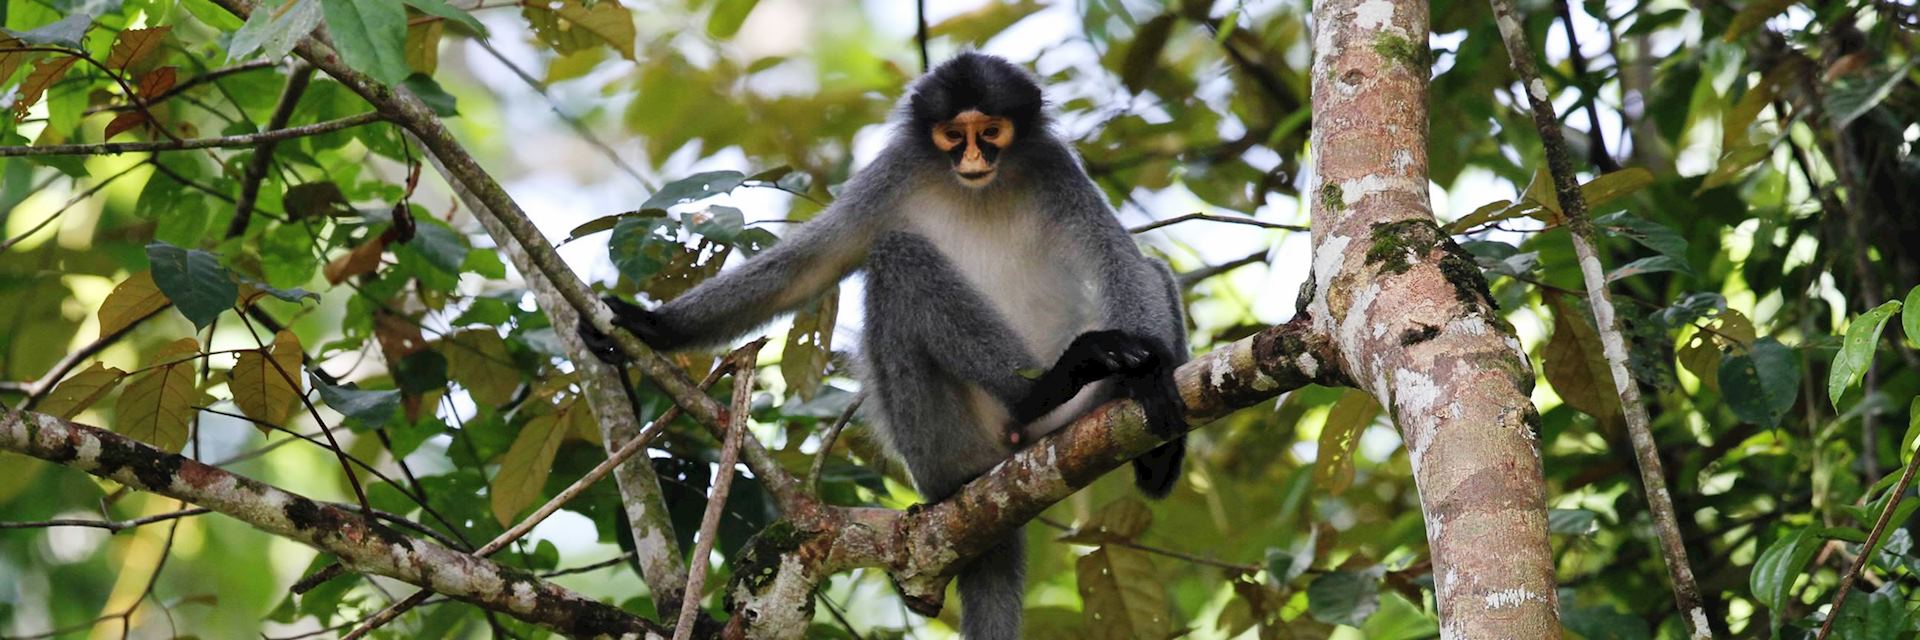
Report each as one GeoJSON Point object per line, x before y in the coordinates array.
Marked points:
{"type": "Point", "coordinates": [727, 17]}
{"type": "Point", "coordinates": [1856, 350]}
{"type": "Point", "coordinates": [370, 408]}
{"type": "Point", "coordinates": [1571, 522]}
{"type": "Point", "coordinates": [1121, 520]}
{"type": "Point", "coordinates": [194, 280]}
{"type": "Point", "coordinates": [1649, 264]}
{"type": "Point", "coordinates": [1143, 56]}
{"type": "Point", "coordinates": [1760, 385]}
{"type": "Point", "coordinates": [423, 87]}
{"type": "Point", "coordinates": [1775, 569]}
{"type": "Point", "coordinates": [1122, 596]}
{"type": "Point", "coordinates": [67, 32]}
{"type": "Point", "coordinates": [1854, 97]}
{"type": "Point", "coordinates": [421, 372]}
{"type": "Point", "coordinates": [440, 8]}
{"type": "Point", "coordinates": [717, 223]}
{"type": "Point", "coordinates": [1881, 613]}
{"type": "Point", "coordinates": [1753, 15]}
{"type": "Point", "coordinates": [1345, 597]}
{"type": "Point", "coordinates": [272, 31]}
{"type": "Point", "coordinates": [371, 35]}
{"type": "Point", "coordinates": [977, 26]}
{"type": "Point", "coordinates": [699, 186]}
{"type": "Point", "coordinates": [438, 244]}
{"type": "Point", "coordinates": [212, 14]}
{"type": "Point", "coordinates": [641, 247]}
{"type": "Point", "coordinates": [1615, 185]}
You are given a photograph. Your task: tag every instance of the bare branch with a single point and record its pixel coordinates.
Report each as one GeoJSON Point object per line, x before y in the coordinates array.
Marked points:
{"type": "Point", "coordinates": [112, 526]}
{"type": "Point", "coordinates": [743, 370]}
{"type": "Point", "coordinates": [244, 140]}
{"type": "Point", "coordinates": [361, 542]}
{"type": "Point", "coordinates": [1215, 218]}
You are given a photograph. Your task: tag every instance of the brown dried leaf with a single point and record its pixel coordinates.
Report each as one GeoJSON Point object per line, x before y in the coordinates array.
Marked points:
{"type": "Point", "coordinates": [44, 74]}
{"type": "Point", "coordinates": [525, 466]}
{"type": "Point", "coordinates": [126, 121]}
{"type": "Point", "coordinates": [1121, 520]}
{"type": "Point", "coordinates": [478, 359]}
{"type": "Point", "coordinates": [362, 259]}
{"type": "Point", "coordinates": [134, 46]}
{"type": "Point", "coordinates": [1575, 364]}
{"type": "Point", "coordinates": [1122, 596]}
{"type": "Point", "coordinates": [157, 408]}
{"type": "Point", "coordinates": [132, 299]}
{"type": "Point", "coordinates": [266, 389]}
{"type": "Point", "coordinates": [158, 81]}
{"type": "Point", "coordinates": [81, 390]}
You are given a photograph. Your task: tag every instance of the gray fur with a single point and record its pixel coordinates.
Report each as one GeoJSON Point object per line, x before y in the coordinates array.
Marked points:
{"type": "Point", "coordinates": [965, 289]}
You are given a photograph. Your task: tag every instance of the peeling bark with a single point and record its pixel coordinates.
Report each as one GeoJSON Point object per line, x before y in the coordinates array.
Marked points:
{"type": "Point", "coordinates": [1413, 324]}
{"type": "Point", "coordinates": [360, 542]}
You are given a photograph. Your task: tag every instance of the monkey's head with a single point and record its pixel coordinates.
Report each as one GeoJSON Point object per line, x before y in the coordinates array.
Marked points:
{"type": "Point", "coordinates": [975, 109]}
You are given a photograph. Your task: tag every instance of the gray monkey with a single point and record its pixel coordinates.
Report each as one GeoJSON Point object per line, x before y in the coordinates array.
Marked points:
{"type": "Point", "coordinates": [988, 251]}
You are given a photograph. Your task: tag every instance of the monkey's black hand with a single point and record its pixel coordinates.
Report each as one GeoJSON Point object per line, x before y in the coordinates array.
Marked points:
{"type": "Point", "coordinates": [1153, 387]}
{"type": "Point", "coordinates": [626, 315]}
{"type": "Point", "coordinates": [1138, 363]}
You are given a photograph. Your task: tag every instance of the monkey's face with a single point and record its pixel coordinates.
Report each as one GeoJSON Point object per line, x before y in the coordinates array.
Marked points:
{"type": "Point", "coordinates": [973, 141]}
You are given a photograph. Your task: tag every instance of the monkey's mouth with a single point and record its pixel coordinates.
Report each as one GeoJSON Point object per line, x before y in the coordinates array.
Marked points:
{"type": "Point", "coordinates": [975, 178]}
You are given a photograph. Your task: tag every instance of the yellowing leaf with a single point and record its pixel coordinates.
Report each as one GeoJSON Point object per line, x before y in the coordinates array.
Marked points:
{"type": "Point", "coordinates": [1612, 186]}
{"type": "Point", "coordinates": [266, 389]}
{"type": "Point", "coordinates": [1333, 469]}
{"type": "Point", "coordinates": [567, 26]}
{"type": "Point", "coordinates": [157, 408]}
{"type": "Point", "coordinates": [585, 426]}
{"type": "Point", "coordinates": [478, 360]}
{"type": "Point", "coordinates": [1121, 520]}
{"type": "Point", "coordinates": [1575, 365]}
{"type": "Point", "coordinates": [81, 390]}
{"type": "Point", "coordinates": [1701, 357]}
{"type": "Point", "coordinates": [524, 467]}
{"type": "Point", "coordinates": [1753, 15]}
{"type": "Point", "coordinates": [44, 74]}
{"type": "Point", "coordinates": [803, 361]}
{"type": "Point", "coordinates": [1122, 597]}
{"type": "Point", "coordinates": [134, 298]}
{"type": "Point", "coordinates": [423, 46]}
{"type": "Point", "coordinates": [11, 57]}
{"type": "Point", "coordinates": [134, 46]}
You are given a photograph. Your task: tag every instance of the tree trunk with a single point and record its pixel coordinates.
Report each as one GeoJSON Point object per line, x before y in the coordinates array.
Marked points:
{"type": "Point", "coordinates": [1413, 324]}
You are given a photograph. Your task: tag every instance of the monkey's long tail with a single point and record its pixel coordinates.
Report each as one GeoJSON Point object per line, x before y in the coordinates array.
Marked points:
{"type": "Point", "coordinates": [1157, 471]}
{"type": "Point", "coordinates": [992, 588]}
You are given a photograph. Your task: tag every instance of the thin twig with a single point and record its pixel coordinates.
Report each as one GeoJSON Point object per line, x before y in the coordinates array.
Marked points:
{"type": "Point", "coordinates": [189, 83]}
{"type": "Point", "coordinates": [76, 199]}
{"type": "Point", "coordinates": [1873, 539]}
{"type": "Point", "coordinates": [1686, 591]}
{"type": "Point", "coordinates": [244, 140]}
{"type": "Point", "coordinates": [262, 159]}
{"type": "Point", "coordinates": [1215, 218]}
{"type": "Point", "coordinates": [1195, 276]}
{"type": "Point", "coordinates": [579, 128]}
{"type": "Point", "coordinates": [826, 441]}
{"type": "Point", "coordinates": [1171, 553]}
{"type": "Point", "coordinates": [743, 370]}
{"type": "Point", "coordinates": [920, 34]}
{"type": "Point", "coordinates": [590, 567]}
{"type": "Point", "coordinates": [113, 526]}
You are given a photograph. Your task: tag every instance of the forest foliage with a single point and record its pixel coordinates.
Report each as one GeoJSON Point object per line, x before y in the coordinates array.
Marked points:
{"type": "Point", "coordinates": [279, 304]}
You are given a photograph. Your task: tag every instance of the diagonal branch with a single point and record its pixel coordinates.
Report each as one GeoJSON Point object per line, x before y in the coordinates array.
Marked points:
{"type": "Point", "coordinates": [357, 540]}
{"type": "Point", "coordinates": [244, 140]}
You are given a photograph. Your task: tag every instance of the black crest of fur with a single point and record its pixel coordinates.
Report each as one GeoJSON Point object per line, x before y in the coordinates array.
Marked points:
{"type": "Point", "coordinates": [977, 81]}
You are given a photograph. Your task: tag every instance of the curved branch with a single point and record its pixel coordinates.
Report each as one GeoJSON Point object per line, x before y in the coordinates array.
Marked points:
{"type": "Point", "coordinates": [357, 540]}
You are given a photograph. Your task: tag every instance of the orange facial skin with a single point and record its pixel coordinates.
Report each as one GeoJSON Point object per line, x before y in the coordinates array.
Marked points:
{"type": "Point", "coordinates": [974, 141]}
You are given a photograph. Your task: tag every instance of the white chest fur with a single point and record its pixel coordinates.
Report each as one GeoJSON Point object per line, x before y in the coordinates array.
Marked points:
{"type": "Point", "coordinates": [1006, 251]}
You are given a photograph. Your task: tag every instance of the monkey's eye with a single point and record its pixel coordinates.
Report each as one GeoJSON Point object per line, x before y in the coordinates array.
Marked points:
{"type": "Point", "coordinates": [955, 135]}
{"type": "Point", "coordinates": [992, 132]}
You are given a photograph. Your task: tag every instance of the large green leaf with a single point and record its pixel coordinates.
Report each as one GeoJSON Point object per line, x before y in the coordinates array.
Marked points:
{"type": "Point", "coordinates": [370, 408]}
{"type": "Point", "coordinates": [1856, 350]}
{"type": "Point", "coordinates": [699, 186]}
{"type": "Point", "coordinates": [727, 17]}
{"type": "Point", "coordinates": [1775, 569]}
{"type": "Point", "coordinates": [1123, 597]}
{"type": "Point", "coordinates": [1345, 597]}
{"type": "Point", "coordinates": [271, 31]}
{"type": "Point", "coordinates": [440, 8]}
{"type": "Point", "coordinates": [1760, 384]}
{"type": "Point", "coordinates": [371, 35]}
{"type": "Point", "coordinates": [194, 280]}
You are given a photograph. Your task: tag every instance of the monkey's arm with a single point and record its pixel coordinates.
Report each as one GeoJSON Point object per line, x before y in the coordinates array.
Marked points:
{"type": "Point", "coordinates": [816, 256]}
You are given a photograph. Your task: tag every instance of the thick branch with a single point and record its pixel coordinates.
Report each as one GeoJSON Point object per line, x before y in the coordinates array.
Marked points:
{"type": "Point", "coordinates": [359, 541]}
{"type": "Point", "coordinates": [922, 548]}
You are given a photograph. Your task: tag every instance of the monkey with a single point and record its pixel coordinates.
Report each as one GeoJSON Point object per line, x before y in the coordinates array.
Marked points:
{"type": "Point", "coordinates": [988, 253]}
